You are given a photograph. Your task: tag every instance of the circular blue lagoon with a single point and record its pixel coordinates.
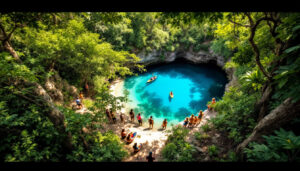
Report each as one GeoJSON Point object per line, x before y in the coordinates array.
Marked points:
{"type": "Point", "coordinates": [192, 85]}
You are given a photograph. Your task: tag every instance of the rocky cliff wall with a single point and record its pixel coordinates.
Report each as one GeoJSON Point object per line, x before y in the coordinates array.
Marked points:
{"type": "Point", "coordinates": [156, 57]}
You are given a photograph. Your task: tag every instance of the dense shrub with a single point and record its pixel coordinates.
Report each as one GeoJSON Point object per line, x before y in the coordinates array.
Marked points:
{"type": "Point", "coordinates": [176, 148]}
{"type": "Point", "coordinates": [235, 114]}
{"type": "Point", "coordinates": [284, 146]}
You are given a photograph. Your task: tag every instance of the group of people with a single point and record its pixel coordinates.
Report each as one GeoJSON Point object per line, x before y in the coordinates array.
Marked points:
{"type": "Point", "coordinates": [129, 138]}
{"type": "Point", "coordinates": [193, 120]}
{"type": "Point", "coordinates": [150, 120]}
{"type": "Point", "coordinates": [136, 148]}
{"type": "Point", "coordinates": [111, 115]}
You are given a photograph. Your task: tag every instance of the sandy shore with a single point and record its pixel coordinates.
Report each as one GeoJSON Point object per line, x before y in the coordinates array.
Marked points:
{"type": "Point", "coordinates": [151, 139]}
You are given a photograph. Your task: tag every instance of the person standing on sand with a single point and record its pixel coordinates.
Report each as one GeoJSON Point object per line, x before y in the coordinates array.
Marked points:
{"type": "Point", "coordinates": [200, 116]}
{"type": "Point", "coordinates": [112, 115]}
{"type": "Point", "coordinates": [164, 124]}
{"type": "Point", "coordinates": [139, 118]}
{"type": "Point", "coordinates": [108, 115]}
{"type": "Point", "coordinates": [186, 122]}
{"type": "Point", "coordinates": [191, 123]}
{"type": "Point", "coordinates": [151, 122]}
{"type": "Point", "coordinates": [122, 118]}
{"type": "Point", "coordinates": [150, 158]}
{"type": "Point", "coordinates": [131, 114]}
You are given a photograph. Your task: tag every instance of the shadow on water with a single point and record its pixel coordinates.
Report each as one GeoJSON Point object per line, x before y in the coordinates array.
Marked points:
{"type": "Point", "coordinates": [216, 90]}
{"type": "Point", "coordinates": [182, 113]}
{"type": "Point", "coordinates": [153, 107]}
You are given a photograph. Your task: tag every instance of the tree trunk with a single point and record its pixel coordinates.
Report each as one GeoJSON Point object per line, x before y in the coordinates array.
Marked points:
{"type": "Point", "coordinates": [281, 115]}
{"type": "Point", "coordinates": [11, 50]}
{"type": "Point", "coordinates": [262, 105]}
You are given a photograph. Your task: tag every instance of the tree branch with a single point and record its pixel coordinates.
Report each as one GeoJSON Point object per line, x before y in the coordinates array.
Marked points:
{"type": "Point", "coordinates": [254, 46]}
{"type": "Point", "coordinates": [238, 23]}
{"type": "Point", "coordinates": [3, 30]}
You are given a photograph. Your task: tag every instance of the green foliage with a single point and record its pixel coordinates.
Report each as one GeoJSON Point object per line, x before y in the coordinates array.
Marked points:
{"type": "Point", "coordinates": [213, 150]}
{"type": "Point", "coordinates": [220, 48]}
{"type": "Point", "coordinates": [87, 103]}
{"type": "Point", "coordinates": [287, 78]}
{"type": "Point", "coordinates": [176, 148]}
{"type": "Point", "coordinates": [201, 136]}
{"type": "Point", "coordinates": [105, 148]}
{"type": "Point", "coordinates": [206, 127]}
{"type": "Point", "coordinates": [235, 114]}
{"type": "Point", "coordinates": [253, 79]}
{"type": "Point", "coordinates": [284, 146]}
{"type": "Point", "coordinates": [149, 31]}
{"type": "Point", "coordinates": [204, 47]}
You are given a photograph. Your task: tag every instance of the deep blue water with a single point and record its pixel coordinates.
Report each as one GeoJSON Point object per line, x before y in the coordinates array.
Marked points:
{"type": "Point", "coordinates": [192, 85]}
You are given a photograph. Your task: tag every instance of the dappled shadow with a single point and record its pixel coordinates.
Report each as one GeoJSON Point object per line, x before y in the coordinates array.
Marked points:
{"type": "Point", "coordinates": [155, 147]}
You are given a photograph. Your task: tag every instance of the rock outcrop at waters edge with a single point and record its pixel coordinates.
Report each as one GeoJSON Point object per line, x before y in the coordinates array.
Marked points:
{"type": "Point", "coordinates": [156, 57]}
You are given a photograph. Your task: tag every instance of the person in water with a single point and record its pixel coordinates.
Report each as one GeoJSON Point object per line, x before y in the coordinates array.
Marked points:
{"type": "Point", "coordinates": [122, 119]}
{"type": "Point", "coordinates": [131, 114]}
{"type": "Point", "coordinates": [78, 102]}
{"type": "Point", "coordinates": [149, 157]}
{"type": "Point", "coordinates": [151, 122]}
{"type": "Point", "coordinates": [213, 101]}
{"type": "Point", "coordinates": [185, 122]}
{"type": "Point", "coordinates": [171, 93]}
{"type": "Point", "coordinates": [164, 124]}
{"type": "Point", "coordinates": [136, 148]}
{"type": "Point", "coordinates": [123, 134]}
{"type": "Point", "coordinates": [139, 118]}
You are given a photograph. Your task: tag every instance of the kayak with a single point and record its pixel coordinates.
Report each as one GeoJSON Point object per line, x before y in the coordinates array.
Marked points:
{"type": "Point", "coordinates": [149, 81]}
{"type": "Point", "coordinates": [171, 95]}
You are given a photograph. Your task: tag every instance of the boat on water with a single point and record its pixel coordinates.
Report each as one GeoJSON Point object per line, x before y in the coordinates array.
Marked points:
{"type": "Point", "coordinates": [151, 80]}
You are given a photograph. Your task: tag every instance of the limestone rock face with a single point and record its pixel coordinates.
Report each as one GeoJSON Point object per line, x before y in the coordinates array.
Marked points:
{"type": "Point", "coordinates": [55, 86]}
{"type": "Point", "coordinates": [155, 57]}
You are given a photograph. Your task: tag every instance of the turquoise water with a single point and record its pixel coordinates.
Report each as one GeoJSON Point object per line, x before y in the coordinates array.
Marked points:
{"type": "Point", "coordinates": [192, 85]}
